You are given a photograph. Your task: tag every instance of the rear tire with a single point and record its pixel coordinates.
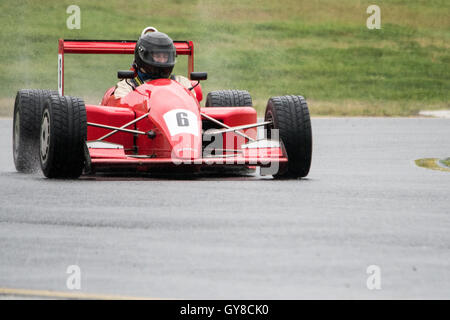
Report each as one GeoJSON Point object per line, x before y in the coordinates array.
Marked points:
{"type": "Point", "coordinates": [62, 137]}
{"type": "Point", "coordinates": [290, 115]}
{"type": "Point", "coordinates": [228, 98]}
{"type": "Point", "coordinates": [27, 116]}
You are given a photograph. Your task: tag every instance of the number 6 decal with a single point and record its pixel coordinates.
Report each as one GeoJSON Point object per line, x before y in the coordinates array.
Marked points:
{"type": "Point", "coordinates": [181, 121]}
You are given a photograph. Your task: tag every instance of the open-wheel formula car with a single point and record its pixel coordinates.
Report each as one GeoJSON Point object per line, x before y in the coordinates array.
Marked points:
{"type": "Point", "coordinates": [158, 127]}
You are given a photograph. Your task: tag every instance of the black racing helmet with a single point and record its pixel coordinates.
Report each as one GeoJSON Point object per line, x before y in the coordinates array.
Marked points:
{"type": "Point", "coordinates": [155, 53]}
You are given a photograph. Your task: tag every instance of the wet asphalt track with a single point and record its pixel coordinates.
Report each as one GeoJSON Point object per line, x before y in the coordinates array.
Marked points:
{"type": "Point", "coordinates": [364, 203]}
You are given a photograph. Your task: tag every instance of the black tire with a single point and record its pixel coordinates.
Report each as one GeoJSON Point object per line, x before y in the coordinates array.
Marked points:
{"type": "Point", "coordinates": [290, 115]}
{"type": "Point", "coordinates": [62, 137]}
{"type": "Point", "coordinates": [26, 124]}
{"type": "Point", "coordinates": [228, 98]}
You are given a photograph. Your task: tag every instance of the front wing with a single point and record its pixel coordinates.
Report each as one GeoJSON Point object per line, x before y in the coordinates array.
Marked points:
{"type": "Point", "coordinates": [104, 156]}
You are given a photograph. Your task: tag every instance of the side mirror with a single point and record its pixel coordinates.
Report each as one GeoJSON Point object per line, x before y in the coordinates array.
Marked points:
{"type": "Point", "coordinates": [197, 76]}
{"type": "Point", "coordinates": [125, 74]}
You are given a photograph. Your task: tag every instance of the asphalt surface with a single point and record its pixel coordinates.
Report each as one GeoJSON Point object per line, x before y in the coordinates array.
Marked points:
{"type": "Point", "coordinates": [364, 203]}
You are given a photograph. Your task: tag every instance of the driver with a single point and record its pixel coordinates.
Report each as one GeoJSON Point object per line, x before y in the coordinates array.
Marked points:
{"type": "Point", "coordinates": [154, 58]}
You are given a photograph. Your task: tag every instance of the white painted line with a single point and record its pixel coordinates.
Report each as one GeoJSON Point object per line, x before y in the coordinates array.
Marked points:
{"type": "Point", "coordinates": [436, 113]}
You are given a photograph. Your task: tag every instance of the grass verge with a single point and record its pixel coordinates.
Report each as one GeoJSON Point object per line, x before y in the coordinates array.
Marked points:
{"type": "Point", "coordinates": [432, 163]}
{"type": "Point", "coordinates": [319, 49]}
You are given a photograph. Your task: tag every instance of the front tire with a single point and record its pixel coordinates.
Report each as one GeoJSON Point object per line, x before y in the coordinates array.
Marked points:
{"type": "Point", "coordinates": [27, 115]}
{"type": "Point", "coordinates": [62, 137]}
{"type": "Point", "coordinates": [290, 115]}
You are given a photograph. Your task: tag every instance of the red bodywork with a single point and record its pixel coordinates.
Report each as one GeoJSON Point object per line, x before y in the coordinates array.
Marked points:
{"type": "Point", "coordinates": [174, 120]}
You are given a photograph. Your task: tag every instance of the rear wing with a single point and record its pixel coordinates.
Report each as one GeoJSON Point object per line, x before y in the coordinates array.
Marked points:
{"type": "Point", "coordinates": [110, 47]}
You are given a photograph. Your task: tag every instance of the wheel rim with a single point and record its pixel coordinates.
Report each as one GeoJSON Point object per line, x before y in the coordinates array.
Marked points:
{"type": "Point", "coordinates": [270, 126]}
{"type": "Point", "coordinates": [45, 136]}
{"type": "Point", "coordinates": [16, 134]}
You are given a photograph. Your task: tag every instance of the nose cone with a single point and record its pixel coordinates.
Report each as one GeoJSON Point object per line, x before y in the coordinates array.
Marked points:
{"type": "Point", "coordinates": [186, 147]}
{"type": "Point", "coordinates": [184, 130]}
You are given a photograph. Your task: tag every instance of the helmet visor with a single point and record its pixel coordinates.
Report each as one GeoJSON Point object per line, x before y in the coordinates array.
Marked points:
{"type": "Point", "coordinates": [158, 57]}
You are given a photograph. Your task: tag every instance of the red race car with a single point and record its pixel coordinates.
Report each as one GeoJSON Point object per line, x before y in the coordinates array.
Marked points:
{"type": "Point", "coordinates": [158, 127]}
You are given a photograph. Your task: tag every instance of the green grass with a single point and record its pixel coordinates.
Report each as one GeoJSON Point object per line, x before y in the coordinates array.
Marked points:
{"type": "Point", "coordinates": [319, 49]}
{"type": "Point", "coordinates": [445, 162]}
{"type": "Point", "coordinates": [431, 163]}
